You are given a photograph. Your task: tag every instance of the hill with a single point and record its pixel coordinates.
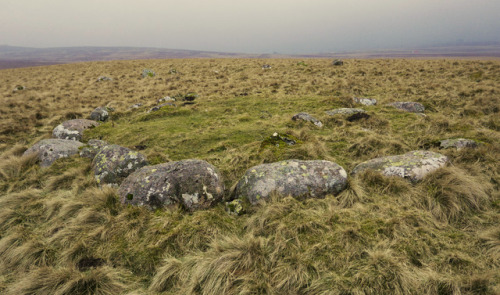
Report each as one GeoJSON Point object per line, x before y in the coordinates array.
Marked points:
{"type": "Point", "coordinates": [60, 233]}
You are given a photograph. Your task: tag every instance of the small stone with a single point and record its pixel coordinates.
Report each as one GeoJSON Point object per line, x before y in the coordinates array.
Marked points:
{"type": "Point", "coordinates": [104, 78]}
{"type": "Point", "coordinates": [365, 101]}
{"type": "Point", "coordinates": [337, 62]}
{"type": "Point", "coordinates": [100, 114]}
{"type": "Point", "coordinates": [135, 106]}
{"type": "Point", "coordinates": [409, 106]}
{"type": "Point", "coordinates": [73, 129]}
{"type": "Point", "coordinates": [308, 118]}
{"type": "Point", "coordinates": [458, 143]}
{"type": "Point", "coordinates": [148, 73]}
{"type": "Point", "coordinates": [266, 67]}
{"type": "Point", "coordinates": [344, 111]}
{"type": "Point", "coordinates": [165, 99]}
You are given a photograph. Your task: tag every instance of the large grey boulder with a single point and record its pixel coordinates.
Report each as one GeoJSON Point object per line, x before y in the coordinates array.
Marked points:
{"type": "Point", "coordinates": [344, 111]}
{"type": "Point", "coordinates": [308, 118]}
{"type": "Point", "coordinates": [365, 101]}
{"type": "Point", "coordinates": [113, 163]}
{"type": "Point", "coordinates": [458, 143]}
{"type": "Point", "coordinates": [297, 178]}
{"type": "Point", "coordinates": [92, 148]}
{"type": "Point", "coordinates": [409, 106]}
{"type": "Point", "coordinates": [73, 129]}
{"type": "Point", "coordinates": [413, 165]}
{"type": "Point", "coordinates": [49, 150]}
{"type": "Point", "coordinates": [195, 184]}
{"type": "Point", "coordinates": [100, 114]}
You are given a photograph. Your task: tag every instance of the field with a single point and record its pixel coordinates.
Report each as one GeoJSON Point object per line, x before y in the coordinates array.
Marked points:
{"type": "Point", "coordinates": [62, 234]}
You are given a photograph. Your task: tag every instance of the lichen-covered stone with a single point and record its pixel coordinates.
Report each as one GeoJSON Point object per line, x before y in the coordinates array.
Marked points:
{"type": "Point", "coordinates": [195, 184]}
{"type": "Point", "coordinates": [99, 114]}
{"type": "Point", "coordinates": [50, 150]}
{"type": "Point", "coordinates": [308, 118]}
{"type": "Point", "coordinates": [73, 129]}
{"type": "Point", "coordinates": [344, 111]}
{"type": "Point", "coordinates": [92, 148]}
{"type": "Point", "coordinates": [458, 143]}
{"type": "Point", "coordinates": [365, 101]}
{"type": "Point", "coordinates": [113, 163]}
{"type": "Point", "coordinates": [297, 178]}
{"type": "Point", "coordinates": [409, 106]}
{"type": "Point", "coordinates": [413, 165]}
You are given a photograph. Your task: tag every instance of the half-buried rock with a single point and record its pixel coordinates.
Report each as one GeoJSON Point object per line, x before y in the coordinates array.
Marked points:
{"type": "Point", "coordinates": [413, 165]}
{"type": "Point", "coordinates": [73, 129]}
{"type": "Point", "coordinates": [344, 111]}
{"type": "Point", "coordinates": [458, 143]}
{"type": "Point", "coordinates": [50, 150]}
{"type": "Point", "coordinates": [409, 106]}
{"type": "Point", "coordinates": [113, 163]}
{"type": "Point", "coordinates": [100, 114]}
{"type": "Point", "coordinates": [296, 178]}
{"type": "Point", "coordinates": [195, 184]}
{"type": "Point", "coordinates": [308, 118]}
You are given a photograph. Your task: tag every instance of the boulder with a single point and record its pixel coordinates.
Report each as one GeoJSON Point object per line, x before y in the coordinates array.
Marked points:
{"type": "Point", "coordinates": [100, 114]}
{"type": "Point", "coordinates": [297, 178]}
{"type": "Point", "coordinates": [73, 129]}
{"type": "Point", "coordinates": [365, 101]}
{"type": "Point", "coordinates": [92, 148]}
{"type": "Point", "coordinates": [308, 118]}
{"type": "Point", "coordinates": [195, 184]}
{"type": "Point", "coordinates": [409, 106]}
{"type": "Point", "coordinates": [458, 143]}
{"type": "Point", "coordinates": [113, 163]}
{"type": "Point", "coordinates": [344, 111]}
{"type": "Point", "coordinates": [337, 62]}
{"type": "Point", "coordinates": [413, 165]}
{"type": "Point", "coordinates": [50, 150]}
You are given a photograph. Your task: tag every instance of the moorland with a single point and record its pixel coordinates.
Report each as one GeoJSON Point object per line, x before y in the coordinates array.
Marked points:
{"type": "Point", "coordinates": [60, 233]}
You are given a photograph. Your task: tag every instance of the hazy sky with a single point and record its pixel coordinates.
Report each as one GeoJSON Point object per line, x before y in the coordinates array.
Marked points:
{"type": "Point", "coordinates": [256, 26]}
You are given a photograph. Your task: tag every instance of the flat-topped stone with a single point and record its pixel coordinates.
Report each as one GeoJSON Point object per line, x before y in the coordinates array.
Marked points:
{"type": "Point", "coordinates": [458, 143]}
{"type": "Point", "coordinates": [409, 106]}
{"type": "Point", "coordinates": [344, 111]}
{"type": "Point", "coordinates": [49, 150]}
{"type": "Point", "coordinates": [414, 165]}
{"type": "Point", "coordinates": [297, 178]}
{"type": "Point", "coordinates": [365, 101]}
{"type": "Point", "coordinates": [73, 129]}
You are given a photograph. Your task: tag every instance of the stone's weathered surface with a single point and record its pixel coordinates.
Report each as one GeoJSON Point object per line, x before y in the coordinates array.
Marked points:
{"type": "Point", "coordinates": [413, 165]}
{"type": "Point", "coordinates": [148, 73]}
{"type": "Point", "coordinates": [50, 150]}
{"type": "Point", "coordinates": [308, 118]}
{"type": "Point", "coordinates": [99, 114]}
{"type": "Point", "coordinates": [337, 62]}
{"type": "Point", "coordinates": [458, 143]}
{"type": "Point", "coordinates": [195, 184]}
{"type": "Point", "coordinates": [265, 67]}
{"type": "Point", "coordinates": [297, 178]}
{"type": "Point", "coordinates": [165, 99]}
{"type": "Point", "coordinates": [344, 111]}
{"type": "Point", "coordinates": [104, 78]}
{"type": "Point", "coordinates": [92, 148]}
{"type": "Point", "coordinates": [113, 163]}
{"type": "Point", "coordinates": [409, 106]}
{"type": "Point", "coordinates": [135, 106]}
{"type": "Point", "coordinates": [73, 129]}
{"type": "Point", "coordinates": [365, 101]}
{"type": "Point", "coordinates": [158, 107]}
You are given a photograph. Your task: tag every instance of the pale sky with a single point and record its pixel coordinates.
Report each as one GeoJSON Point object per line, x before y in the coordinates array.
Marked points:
{"type": "Point", "coordinates": [256, 26]}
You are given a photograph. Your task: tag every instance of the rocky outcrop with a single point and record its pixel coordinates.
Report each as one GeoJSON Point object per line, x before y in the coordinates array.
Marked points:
{"type": "Point", "coordinates": [365, 101]}
{"type": "Point", "coordinates": [49, 150]}
{"type": "Point", "coordinates": [297, 178]}
{"type": "Point", "coordinates": [308, 118]}
{"type": "Point", "coordinates": [113, 163]}
{"type": "Point", "coordinates": [100, 114]}
{"type": "Point", "coordinates": [195, 184]}
{"type": "Point", "coordinates": [414, 165]}
{"type": "Point", "coordinates": [92, 148]}
{"type": "Point", "coordinates": [73, 129]}
{"type": "Point", "coordinates": [409, 106]}
{"type": "Point", "coordinates": [344, 111]}
{"type": "Point", "coordinates": [458, 143]}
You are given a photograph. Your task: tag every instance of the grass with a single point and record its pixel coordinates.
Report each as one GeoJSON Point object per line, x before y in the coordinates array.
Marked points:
{"type": "Point", "coordinates": [61, 234]}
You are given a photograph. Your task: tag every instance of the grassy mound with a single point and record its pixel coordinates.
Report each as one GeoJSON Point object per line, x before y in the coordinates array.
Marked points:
{"type": "Point", "coordinates": [61, 234]}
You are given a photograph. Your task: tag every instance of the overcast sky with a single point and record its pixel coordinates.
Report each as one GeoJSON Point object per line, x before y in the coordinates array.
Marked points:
{"type": "Point", "coordinates": [248, 26]}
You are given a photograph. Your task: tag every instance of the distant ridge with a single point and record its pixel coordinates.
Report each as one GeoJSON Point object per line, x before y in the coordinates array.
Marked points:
{"type": "Point", "coordinates": [16, 57]}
